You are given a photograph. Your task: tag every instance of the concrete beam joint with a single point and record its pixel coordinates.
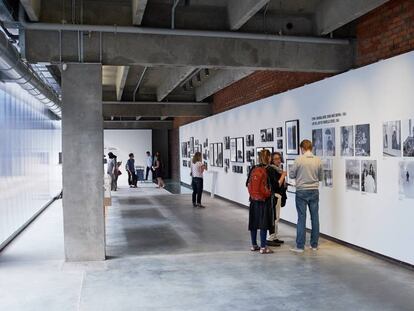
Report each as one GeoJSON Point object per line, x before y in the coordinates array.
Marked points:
{"type": "Point", "coordinates": [240, 11]}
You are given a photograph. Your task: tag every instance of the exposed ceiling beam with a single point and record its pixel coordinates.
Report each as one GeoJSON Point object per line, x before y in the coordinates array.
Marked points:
{"type": "Point", "coordinates": [138, 10]}
{"type": "Point", "coordinates": [175, 77]}
{"type": "Point", "coordinates": [333, 14]}
{"type": "Point", "coordinates": [134, 125]}
{"type": "Point", "coordinates": [32, 8]}
{"type": "Point", "coordinates": [155, 109]}
{"type": "Point", "coordinates": [240, 11]}
{"type": "Point", "coordinates": [199, 49]}
{"type": "Point", "coordinates": [220, 80]}
{"type": "Point", "coordinates": [164, 118]}
{"type": "Point", "coordinates": [121, 76]}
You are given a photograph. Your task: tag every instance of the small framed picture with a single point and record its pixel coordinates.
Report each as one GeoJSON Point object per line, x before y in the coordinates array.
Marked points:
{"type": "Point", "coordinates": [292, 137]}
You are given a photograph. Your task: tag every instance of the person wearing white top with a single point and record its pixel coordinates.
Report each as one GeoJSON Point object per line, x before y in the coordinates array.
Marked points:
{"type": "Point", "coordinates": [149, 164]}
{"type": "Point", "coordinates": [197, 170]}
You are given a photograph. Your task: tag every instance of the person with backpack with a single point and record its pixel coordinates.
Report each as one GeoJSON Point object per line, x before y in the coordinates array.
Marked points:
{"type": "Point", "coordinates": [280, 198]}
{"type": "Point", "coordinates": [259, 184]}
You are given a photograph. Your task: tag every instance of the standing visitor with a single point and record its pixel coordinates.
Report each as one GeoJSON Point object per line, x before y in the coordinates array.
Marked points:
{"type": "Point", "coordinates": [261, 216]}
{"type": "Point", "coordinates": [110, 170]}
{"type": "Point", "coordinates": [130, 166]}
{"type": "Point", "coordinates": [197, 170]}
{"type": "Point", "coordinates": [280, 198]}
{"type": "Point", "coordinates": [308, 172]}
{"type": "Point", "coordinates": [158, 171]}
{"type": "Point", "coordinates": [149, 165]}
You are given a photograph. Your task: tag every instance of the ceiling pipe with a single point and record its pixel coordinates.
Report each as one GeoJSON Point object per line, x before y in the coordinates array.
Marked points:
{"type": "Point", "coordinates": [12, 66]}
{"type": "Point", "coordinates": [173, 13]}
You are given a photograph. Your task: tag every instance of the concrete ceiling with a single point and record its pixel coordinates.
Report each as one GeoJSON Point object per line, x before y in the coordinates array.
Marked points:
{"type": "Point", "coordinates": [192, 68]}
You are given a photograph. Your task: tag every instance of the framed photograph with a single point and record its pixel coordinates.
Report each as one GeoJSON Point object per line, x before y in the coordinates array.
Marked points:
{"type": "Point", "coordinates": [196, 142]}
{"type": "Point", "coordinates": [215, 150]}
{"type": "Point", "coordinates": [406, 179]}
{"type": "Point", "coordinates": [291, 181]}
{"type": "Point", "coordinates": [184, 151]}
{"type": "Point", "coordinates": [408, 137]}
{"type": "Point", "coordinates": [327, 165]}
{"type": "Point", "coordinates": [391, 137]}
{"type": "Point", "coordinates": [219, 159]}
{"type": "Point", "coordinates": [280, 144]}
{"type": "Point", "coordinates": [250, 140]}
{"type": "Point", "coordinates": [240, 150]}
{"type": "Point", "coordinates": [329, 142]}
{"type": "Point", "coordinates": [369, 176]}
{"type": "Point", "coordinates": [317, 142]}
{"type": "Point", "coordinates": [227, 162]}
{"type": "Point", "coordinates": [263, 135]}
{"type": "Point", "coordinates": [211, 154]}
{"type": "Point", "coordinates": [191, 145]}
{"type": "Point", "coordinates": [279, 132]}
{"type": "Point", "coordinates": [233, 150]}
{"type": "Point", "coordinates": [362, 140]}
{"type": "Point", "coordinates": [185, 163]}
{"type": "Point", "coordinates": [292, 137]}
{"type": "Point", "coordinates": [269, 134]}
{"type": "Point", "coordinates": [227, 142]}
{"type": "Point", "coordinates": [352, 175]}
{"type": "Point", "coordinates": [347, 141]}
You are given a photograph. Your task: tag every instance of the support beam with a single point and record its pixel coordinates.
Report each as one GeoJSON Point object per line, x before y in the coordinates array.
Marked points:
{"type": "Point", "coordinates": [333, 14]}
{"type": "Point", "coordinates": [32, 8]}
{"type": "Point", "coordinates": [204, 50]}
{"type": "Point", "coordinates": [82, 142]}
{"type": "Point", "coordinates": [240, 11]}
{"type": "Point", "coordinates": [219, 81]}
{"type": "Point", "coordinates": [135, 125]}
{"type": "Point", "coordinates": [175, 77]}
{"type": "Point", "coordinates": [138, 10]}
{"type": "Point", "coordinates": [121, 76]}
{"type": "Point", "coordinates": [155, 109]}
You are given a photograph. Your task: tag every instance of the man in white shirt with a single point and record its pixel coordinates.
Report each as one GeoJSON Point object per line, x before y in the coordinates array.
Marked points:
{"type": "Point", "coordinates": [308, 172]}
{"type": "Point", "coordinates": [149, 165]}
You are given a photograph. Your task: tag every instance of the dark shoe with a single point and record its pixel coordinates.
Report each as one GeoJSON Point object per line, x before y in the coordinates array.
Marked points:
{"type": "Point", "coordinates": [279, 241]}
{"type": "Point", "coordinates": [273, 243]}
{"type": "Point", "coordinates": [194, 205]}
{"type": "Point", "coordinates": [200, 206]}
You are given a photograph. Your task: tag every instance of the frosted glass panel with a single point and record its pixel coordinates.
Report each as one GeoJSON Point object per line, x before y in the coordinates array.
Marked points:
{"type": "Point", "coordinates": [30, 174]}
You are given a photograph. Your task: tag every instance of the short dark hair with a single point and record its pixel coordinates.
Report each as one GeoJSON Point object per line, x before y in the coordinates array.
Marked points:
{"type": "Point", "coordinates": [131, 155]}
{"type": "Point", "coordinates": [306, 145]}
{"type": "Point", "coordinates": [148, 152]}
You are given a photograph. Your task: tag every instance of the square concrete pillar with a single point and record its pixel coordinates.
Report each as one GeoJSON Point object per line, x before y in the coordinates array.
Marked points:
{"type": "Point", "coordinates": [82, 146]}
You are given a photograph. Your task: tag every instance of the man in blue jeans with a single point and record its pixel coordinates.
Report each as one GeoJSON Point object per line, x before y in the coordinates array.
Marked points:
{"type": "Point", "coordinates": [308, 172]}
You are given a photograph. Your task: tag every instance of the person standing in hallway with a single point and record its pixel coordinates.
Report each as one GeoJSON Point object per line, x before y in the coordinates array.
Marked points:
{"type": "Point", "coordinates": [110, 170]}
{"type": "Point", "coordinates": [308, 172]}
{"type": "Point", "coordinates": [197, 170]}
{"type": "Point", "coordinates": [158, 170]}
{"type": "Point", "coordinates": [130, 166]}
{"type": "Point", "coordinates": [149, 165]}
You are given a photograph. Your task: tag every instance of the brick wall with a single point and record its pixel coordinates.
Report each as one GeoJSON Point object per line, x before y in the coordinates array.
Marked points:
{"type": "Point", "coordinates": [385, 32]}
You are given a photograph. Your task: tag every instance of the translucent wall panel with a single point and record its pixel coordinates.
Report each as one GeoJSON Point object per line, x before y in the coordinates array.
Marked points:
{"type": "Point", "coordinates": [30, 174]}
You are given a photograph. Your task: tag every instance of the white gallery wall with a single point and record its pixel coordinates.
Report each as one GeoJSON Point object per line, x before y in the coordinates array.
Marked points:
{"type": "Point", "coordinates": [381, 222]}
{"type": "Point", "coordinates": [123, 142]}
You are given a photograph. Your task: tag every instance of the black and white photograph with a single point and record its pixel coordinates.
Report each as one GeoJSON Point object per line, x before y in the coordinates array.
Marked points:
{"type": "Point", "coordinates": [215, 149]}
{"type": "Point", "coordinates": [219, 159]}
{"type": "Point", "coordinates": [227, 142]}
{"type": "Point", "coordinates": [205, 165]}
{"type": "Point", "coordinates": [292, 137]}
{"type": "Point", "coordinates": [211, 153]}
{"type": "Point", "coordinates": [329, 142]}
{"type": "Point", "coordinates": [406, 179]}
{"type": "Point", "coordinates": [227, 162]}
{"type": "Point", "coordinates": [269, 134]}
{"type": "Point", "coordinates": [189, 163]}
{"type": "Point", "coordinates": [408, 137]}
{"type": "Point", "coordinates": [362, 140]}
{"type": "Point", "coordinates": [250, 140]}
{"type": "Point", "coordinates": [369, 176]}
{"type": "Point", "coordinates": [196, 142]}
{"type": "Point", "coordinates": [191, 146]}
{"type": "Point", "coordinates": [391, 137]}
{"type": "Point", "coordinates": [188, 150]}
{"type": "Point", "coordinates": [249, 155]}
{"type": "Point", "coordinates": [290, 181]}
{"type": "Point", "coordinates": [185, 163]}
{"type": "Point", "coordinates": [347, 141]}
{"type": "Point", "coordinates": [205, 155]}
{"type": "Point", "coordinates": [233, 150]}
{"type": "Point", "coordinates": [327, 165]}
{"type": "Point", "coordinates": [240, 150]}
{"type": "Point", "coordinates": [279, 132]}
{"type": "Point", "coordinates": [317, 142]}
{"type": "Point", "coordinates": [184, 150]}
{"type": "Point", "coordinates": [352, 174]}
{"type": "Point", "coordinates": [279, 144]}
{"type": "Point", "coordinates": [263, 136]}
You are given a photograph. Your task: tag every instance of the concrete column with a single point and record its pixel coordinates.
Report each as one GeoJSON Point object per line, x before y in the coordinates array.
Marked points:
{"type": "Point", "coordinates": [82, 145]}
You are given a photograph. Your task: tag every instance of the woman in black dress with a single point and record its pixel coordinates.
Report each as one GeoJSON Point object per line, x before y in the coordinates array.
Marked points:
{"type": "Point", "coordinates": [158, 171]}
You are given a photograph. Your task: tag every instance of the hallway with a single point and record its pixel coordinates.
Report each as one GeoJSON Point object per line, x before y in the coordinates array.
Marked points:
{"type": "Point", "coordinates": [165, 255]}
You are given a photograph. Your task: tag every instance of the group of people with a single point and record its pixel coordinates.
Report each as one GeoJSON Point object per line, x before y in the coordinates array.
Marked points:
{"type": "Point", "coordinates": [153, 164]}
{"type": "Point", "coordinates": [267, 188]}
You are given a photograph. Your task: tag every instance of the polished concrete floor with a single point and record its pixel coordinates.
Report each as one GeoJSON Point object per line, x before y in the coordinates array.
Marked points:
{"type": "Point", "coordinates": [165, 255]}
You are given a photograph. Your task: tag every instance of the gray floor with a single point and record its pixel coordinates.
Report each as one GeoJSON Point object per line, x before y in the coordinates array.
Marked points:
{"type": "Point", "coordinates": [165, 255]}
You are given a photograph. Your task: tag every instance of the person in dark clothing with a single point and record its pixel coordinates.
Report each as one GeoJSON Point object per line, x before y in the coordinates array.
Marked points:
{"type": "Point", "coordinates": [197, 170]}
{"type": "Point", "coordinates": [158, 171]}
{"type": "Point", "coordinates": [261, 214]}
{"type": "Point", "coordinates": [130, 166]}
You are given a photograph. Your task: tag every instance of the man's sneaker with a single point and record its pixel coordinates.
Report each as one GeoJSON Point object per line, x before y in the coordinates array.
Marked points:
{"type": "Point", "coordinates": [313, 248]}
{"type": "Point", "coordinates": [297, 250]}
{"type": "Point", "coordinates": [194, 205]}
{"type": "Point", "coordinates": [279, 241]}
{"type": "Point", "coordinates": [201, 206]}
{"type": "Point", "coordinates": [272, 243]}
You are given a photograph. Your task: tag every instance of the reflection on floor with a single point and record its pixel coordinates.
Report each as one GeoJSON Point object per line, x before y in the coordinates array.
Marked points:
{"type": "Point", "coordinates": [165, 255]}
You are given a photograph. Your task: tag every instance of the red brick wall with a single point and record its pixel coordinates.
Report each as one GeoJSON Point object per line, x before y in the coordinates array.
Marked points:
{"type": "Point", "coordinates": [385, 32]}
{"type": "Point", "coordinates": [261, 84]}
